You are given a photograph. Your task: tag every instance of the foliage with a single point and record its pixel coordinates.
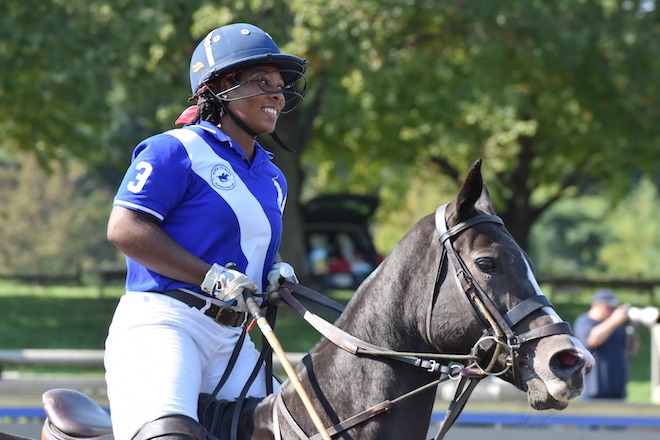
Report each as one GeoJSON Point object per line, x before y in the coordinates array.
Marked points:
{"type": "Point", "coordinates": [599, 236]}
{"type": "Point", "coordinates": [89, 78]}
{"type": "Point", "coordinates": [566, 240]}
{"type": "Point", "coordinates": [553, 96]}
{"type": "Point", "coordinates": [632, 246]}
{"type": "Point", "coordinates": [557, 97]}
{"type": "Point", "coordinates": [423, 195]}
{"type": "Point", "coordinates": [51, 222]}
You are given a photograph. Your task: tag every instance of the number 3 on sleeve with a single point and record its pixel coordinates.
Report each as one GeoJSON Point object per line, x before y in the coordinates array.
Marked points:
{"type": "Point", "coordinates": [136, 185]}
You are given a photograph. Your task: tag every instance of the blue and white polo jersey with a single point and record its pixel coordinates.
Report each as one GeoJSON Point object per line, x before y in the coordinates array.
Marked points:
{"type": "Point", "coordinates": [209, 198]}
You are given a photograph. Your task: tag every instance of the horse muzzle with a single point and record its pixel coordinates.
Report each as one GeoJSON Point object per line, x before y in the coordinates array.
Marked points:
{"type": "Point", "coordinates": [557, 373]}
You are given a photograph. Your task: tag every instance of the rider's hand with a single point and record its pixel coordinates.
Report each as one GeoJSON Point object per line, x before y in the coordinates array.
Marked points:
{"type": "Point", "coordinates": [226, 284]}
{"type": "Point", "coordinates": [280, 271]}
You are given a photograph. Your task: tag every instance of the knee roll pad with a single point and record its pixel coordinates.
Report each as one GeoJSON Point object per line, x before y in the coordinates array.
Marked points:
{"type": "Point", "coordinates": [171, 427]}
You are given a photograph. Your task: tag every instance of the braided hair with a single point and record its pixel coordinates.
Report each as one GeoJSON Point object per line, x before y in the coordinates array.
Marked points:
{"type": "Point", "coordinates": [209, 107]}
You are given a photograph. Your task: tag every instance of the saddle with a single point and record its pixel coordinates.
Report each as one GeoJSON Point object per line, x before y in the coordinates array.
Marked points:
{"type": "Point", "coordinates": [71, 415]}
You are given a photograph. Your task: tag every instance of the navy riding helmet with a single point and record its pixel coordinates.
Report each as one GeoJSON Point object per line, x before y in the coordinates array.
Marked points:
{"type": "Point", "coordinates": [235, 46]}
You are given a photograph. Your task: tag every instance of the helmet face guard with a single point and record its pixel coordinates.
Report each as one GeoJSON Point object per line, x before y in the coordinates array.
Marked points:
{"type": "Point", "coordinates": [236, 46]}
{"type": "Point", "coordinates": [293, 91]}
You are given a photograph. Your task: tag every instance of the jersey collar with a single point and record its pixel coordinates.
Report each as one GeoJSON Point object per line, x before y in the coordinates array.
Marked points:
{"type": "Point", "coordinates": [261, 154]}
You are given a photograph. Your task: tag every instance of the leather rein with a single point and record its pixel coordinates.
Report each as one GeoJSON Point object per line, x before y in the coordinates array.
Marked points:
{"type": "Point", "coordinates": [467, 369]}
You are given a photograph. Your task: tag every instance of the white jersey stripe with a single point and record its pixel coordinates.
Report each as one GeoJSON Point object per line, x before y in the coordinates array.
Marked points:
{"type": "Point", "coordinates": [137, 207]}
{"type": "Point", "coordinates": [251, 216]}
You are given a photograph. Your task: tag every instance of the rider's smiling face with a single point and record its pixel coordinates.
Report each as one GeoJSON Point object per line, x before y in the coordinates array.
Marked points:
{"type": "Point", "coordinates": [259, 98]}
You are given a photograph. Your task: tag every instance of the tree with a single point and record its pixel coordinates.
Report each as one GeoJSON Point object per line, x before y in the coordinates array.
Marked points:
{"type": "Point", "coordinates": [556, 97]}
{"type": "Point", "coordinates": [587, 236]}
{"type": "Point", "coordinates": [631, 247]}
{"type": "Point", "coordinates": [88, 79]}
{"type": "Point", "coordinates": [51, 222]}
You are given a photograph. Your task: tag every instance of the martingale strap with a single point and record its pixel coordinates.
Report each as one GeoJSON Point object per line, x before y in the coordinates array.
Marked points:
{"type": "Point", "coordinates": [462, 393]}
{"type": "Point", "coordinates": [336, 429]}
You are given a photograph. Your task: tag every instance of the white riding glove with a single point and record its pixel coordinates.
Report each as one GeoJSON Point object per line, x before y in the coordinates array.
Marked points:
{"type": "Point", "coordinates": [279, 272]}
{"type": "Point", "coordinates": [226, 284]}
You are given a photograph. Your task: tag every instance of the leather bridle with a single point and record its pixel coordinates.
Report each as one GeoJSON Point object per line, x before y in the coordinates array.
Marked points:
{"type": "Point", "coordinates": [468, 369]}
{"type": "Point", "coordinates": [501, 326]}
{"type": "Point", "coordinates": [501, 331]}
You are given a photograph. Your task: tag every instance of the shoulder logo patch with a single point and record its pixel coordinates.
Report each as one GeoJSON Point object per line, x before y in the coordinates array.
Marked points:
{"type": "Point", "coordinates": [223, 177]}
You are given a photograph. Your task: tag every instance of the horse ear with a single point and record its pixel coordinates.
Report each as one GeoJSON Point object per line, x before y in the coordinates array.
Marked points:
{"type": "Point", "coordinates": [469, 194]}
{"type": "Point", "coordinates": [484, 203]}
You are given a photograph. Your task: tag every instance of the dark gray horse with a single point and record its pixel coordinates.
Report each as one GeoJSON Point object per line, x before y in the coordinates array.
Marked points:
{"type": "Point", "coordinates": [456, 297]}
{"type": "Point", "coordinates": [413, 303]}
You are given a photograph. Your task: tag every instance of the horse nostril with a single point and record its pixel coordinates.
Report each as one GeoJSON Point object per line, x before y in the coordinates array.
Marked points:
{"type": "Point", "coordinates": [567, 359]}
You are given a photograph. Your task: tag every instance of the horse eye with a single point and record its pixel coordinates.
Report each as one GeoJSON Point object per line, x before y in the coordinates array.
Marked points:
{"type": "Point", "coordinates": [485, 264]}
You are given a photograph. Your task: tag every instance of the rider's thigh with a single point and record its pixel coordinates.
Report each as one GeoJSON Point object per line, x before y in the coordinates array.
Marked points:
{"type": "Point", "coordinates": [240, 373]}
{"type": "Point", "coordinates": [153, 366]}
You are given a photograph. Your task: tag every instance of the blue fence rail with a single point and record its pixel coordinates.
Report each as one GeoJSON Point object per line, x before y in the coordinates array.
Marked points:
{"type": "Point", "coordinates": [528, 420]}
{"type": "Point", "coordinates": [465, 419]}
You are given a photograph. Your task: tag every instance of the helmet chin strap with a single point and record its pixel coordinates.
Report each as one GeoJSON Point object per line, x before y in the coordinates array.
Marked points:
{"type": "Point", "coordinates": [252, 133]}
{"type": "Point", "coordinates": [240, 122]}
{"type": "Point", "coordinates": [281, 143]}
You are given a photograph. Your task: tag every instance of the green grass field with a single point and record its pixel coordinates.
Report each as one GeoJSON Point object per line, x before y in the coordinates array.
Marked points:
{"type": "Point", "coordinates": [77, 318]}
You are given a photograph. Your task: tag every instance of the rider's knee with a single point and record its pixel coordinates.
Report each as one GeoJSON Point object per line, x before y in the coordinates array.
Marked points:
{"type": "Point", "coordinates": [171, 427]}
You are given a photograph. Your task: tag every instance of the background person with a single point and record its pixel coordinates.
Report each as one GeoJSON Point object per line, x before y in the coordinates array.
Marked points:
{"type": "Point", "coordinates": [607, 332]}
{"type": "Point", "coordinates": [192, 201]}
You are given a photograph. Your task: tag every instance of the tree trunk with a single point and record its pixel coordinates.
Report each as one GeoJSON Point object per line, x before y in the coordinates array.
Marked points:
{"type": "Point", "coordinates": [295, 130]}
{"type": "Point", "coordinates": [292, 249]}
{"type": "Point", "coordinates": [519, 215]}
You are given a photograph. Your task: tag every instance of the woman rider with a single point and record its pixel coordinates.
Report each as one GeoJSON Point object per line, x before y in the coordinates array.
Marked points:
{"type": "Point", "coordinates": [199, 217]}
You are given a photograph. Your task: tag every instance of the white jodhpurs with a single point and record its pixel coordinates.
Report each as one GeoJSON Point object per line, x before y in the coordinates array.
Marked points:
{"type": "Point", "coordinates": [161, 354]}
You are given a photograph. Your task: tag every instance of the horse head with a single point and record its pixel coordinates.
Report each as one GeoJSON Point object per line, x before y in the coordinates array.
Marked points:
{"type": "Point", "coordinates": [515, 332]}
